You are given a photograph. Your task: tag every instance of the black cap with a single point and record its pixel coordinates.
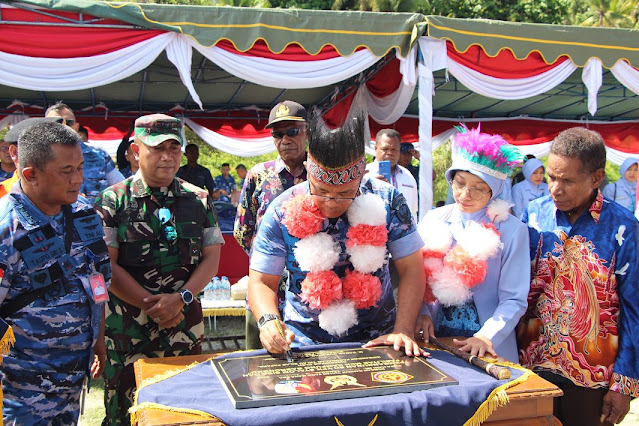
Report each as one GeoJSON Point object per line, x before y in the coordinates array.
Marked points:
{"type": "Point", "coordinates": [14, 133]}
{"type": "Point", "coordinates": [286, 111]}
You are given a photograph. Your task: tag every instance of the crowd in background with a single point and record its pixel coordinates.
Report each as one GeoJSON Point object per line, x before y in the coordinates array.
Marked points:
{"type": "Point", "coordinates": [150, 233]}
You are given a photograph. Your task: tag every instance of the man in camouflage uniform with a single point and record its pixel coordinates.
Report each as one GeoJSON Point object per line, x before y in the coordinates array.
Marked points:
{"type": "Point", "coordinates": [99, 168]}
{"type": "Point", "coordinates": [54, 272]}
{"type": "Point", "coordinates": [164, 242]}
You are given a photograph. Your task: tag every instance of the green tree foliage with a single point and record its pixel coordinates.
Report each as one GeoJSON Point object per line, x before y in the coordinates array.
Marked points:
{"type": "Point", "coordinates": [213, 159]}
{"type": "Point", "coordinates": [605, 13]}
{"type": "Point", "coordinates": [544, 11]}
{"type": "Point", "coordinates": [442, 160]}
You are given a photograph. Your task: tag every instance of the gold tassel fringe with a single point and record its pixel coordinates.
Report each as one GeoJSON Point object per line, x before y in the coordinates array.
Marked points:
{"type": "Point", "coordinates": [7, 342]}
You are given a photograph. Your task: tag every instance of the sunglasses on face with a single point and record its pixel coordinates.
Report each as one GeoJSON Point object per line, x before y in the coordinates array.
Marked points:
{"type": "Point", "coordinates": [291, 133]}
{"type": "Point", "coordinates": [170, 233]}
{"type": "Point", "coordinates": [68, 122]}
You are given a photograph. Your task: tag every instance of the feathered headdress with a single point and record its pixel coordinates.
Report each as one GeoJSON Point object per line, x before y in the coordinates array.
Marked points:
{"type": "Point", "coordinates": [490, 154]}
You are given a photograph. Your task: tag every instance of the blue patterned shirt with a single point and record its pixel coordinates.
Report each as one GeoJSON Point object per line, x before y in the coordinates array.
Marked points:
{"type": "Point", "coordinates": [226, 183]}
{"type": "Point", "coordinates": [273, 253]}
{"type": "Point", "coordinates": [99, 171]}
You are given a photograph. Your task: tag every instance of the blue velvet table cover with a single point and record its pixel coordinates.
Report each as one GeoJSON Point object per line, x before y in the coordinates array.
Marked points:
{"type": "Point", "coordinates": [198, 389]}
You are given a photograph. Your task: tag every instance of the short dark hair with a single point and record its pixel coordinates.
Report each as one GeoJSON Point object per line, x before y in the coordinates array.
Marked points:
{"type": "Point", "coordinates": [120, 155]}
{"type": "Point", "coordinates": [338, 147]}
{"type": "Point", "coordinates": [57, 107]}
{"type": "Point", "coordinates": [240, 167]}
{"type": "Point", "coordinates": [391, 133]}
{"type": "Point", "coordinates": [191, 146]}
{"type": "Point", "coordinates": [84, 130]}
{"type": "Point", "coordinates": [225, 164]}
{"type": "Point", "coordinates": [585, 145]}
{"type": "Point", "coordinates": [34, 144]}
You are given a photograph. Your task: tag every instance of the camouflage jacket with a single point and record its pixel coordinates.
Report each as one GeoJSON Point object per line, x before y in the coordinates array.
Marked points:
{"type": "Point", "coordinates": [129, 212]}
{"type": "Point", "coordinates": [55, 333]}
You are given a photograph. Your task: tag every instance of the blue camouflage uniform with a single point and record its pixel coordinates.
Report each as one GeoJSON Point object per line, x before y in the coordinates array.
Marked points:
{"type": "Point", "coordinates": [43, 373]}
{"type": "Point", "coordinates": [227, 184]}
{"type": "Point", "coordinates": [99, 172]}
{"type": "Point", "coordinates": [5, 175]}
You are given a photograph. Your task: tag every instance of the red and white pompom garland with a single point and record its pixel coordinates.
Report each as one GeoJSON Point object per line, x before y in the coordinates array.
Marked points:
{"type": "Point", "coordinates": [337, 298]}
{"type": "Point", "coordinates": [452, 271]}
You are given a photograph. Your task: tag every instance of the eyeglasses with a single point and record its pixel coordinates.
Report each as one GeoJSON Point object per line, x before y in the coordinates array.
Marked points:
{"type": "Point", "coordinates": [4, 149]}
{"type": "Point", "coordinates": [291, 133]}
{"type": "Point", "coordinates": [68, 122]}
{"type": "Point", "coordinates": [170, 233]}
{"type": "Point", "coordinates": [326, 198]}
{"type": "Point", "coordinates": [475, 193]}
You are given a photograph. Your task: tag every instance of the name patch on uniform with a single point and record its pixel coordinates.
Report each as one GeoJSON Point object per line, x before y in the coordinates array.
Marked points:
{"type": "Point", "coordinates": [88, 227]}
{"type": "Point", "coordinates": [43, 252]}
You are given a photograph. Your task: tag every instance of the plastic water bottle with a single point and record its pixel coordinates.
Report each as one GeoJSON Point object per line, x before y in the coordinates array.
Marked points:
{"type": "Point", "coordinates": [216, 287]}
{"type": "Point", "coordinates": [226, 288]}
{"type": "Point", "coordinates": [208, 292]}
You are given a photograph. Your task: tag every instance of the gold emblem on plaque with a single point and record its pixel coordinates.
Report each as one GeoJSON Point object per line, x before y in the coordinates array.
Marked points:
{"type": "Point", "coordinates": [342, 380]}
{"type": "Point", "coordinates": [391, 376]}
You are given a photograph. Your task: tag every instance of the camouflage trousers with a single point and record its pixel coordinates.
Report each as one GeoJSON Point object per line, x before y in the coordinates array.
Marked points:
{"type": "Point", "coordinates": [131, 335]}
{"type": "Point", "coordinates": [43, 392]}
{"type": "Point", "coordinates": [36, 408]}
{"type": "Point", "coordinates": [119, 383]}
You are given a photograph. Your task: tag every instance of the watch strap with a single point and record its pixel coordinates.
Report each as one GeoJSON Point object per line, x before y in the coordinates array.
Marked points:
{"type": "Point", "coordinates": [266, 318]}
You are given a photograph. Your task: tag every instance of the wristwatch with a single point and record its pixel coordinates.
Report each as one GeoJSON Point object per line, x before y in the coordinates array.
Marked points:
{"type": "Point", "coordinates": [266, 318]}
{"type": "Point", "coordinates": [186, 295]}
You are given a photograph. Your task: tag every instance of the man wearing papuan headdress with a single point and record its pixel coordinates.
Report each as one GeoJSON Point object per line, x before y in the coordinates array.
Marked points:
{"type": "Point", "coordinates": [333, 235]}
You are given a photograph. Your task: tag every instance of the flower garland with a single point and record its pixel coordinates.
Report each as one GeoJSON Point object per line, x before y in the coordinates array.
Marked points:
{"type": "Point", "coordinates": [452, 272]}
{"type": "Point", "coordinates": [316, 253]}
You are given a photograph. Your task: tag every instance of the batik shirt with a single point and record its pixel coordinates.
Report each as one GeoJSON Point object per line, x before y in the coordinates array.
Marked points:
{"type": "Point", "coordinates": [263, 183]}
{"type": "Point", "coordinates": [97, 165]}
{"type": "Point", "coordinates": [129, 212]}
{"type": "Point", "coordinates": [583, 308]}
{"type": "Point", "coordinates": [55, 334]}
{"type": "Point", "coordinates": [227, 184]}
{"type": "Point", "coordinates": [273, 253]}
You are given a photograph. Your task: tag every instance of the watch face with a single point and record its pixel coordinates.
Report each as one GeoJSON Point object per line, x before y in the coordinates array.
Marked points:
{"type": "Point", "coordinates": [187, 296]}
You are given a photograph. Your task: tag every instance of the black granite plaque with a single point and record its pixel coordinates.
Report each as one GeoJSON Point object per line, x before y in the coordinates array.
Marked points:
{"type": "Point", "coordinates": [257, 381]}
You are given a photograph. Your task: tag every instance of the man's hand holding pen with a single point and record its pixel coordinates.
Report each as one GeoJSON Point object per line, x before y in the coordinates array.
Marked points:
{"type": "Point", "coordinates": [277, 338]}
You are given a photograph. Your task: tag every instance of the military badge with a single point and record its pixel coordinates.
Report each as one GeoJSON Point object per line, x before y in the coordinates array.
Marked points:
{"type": "Point", "coordinates": [282, 111]}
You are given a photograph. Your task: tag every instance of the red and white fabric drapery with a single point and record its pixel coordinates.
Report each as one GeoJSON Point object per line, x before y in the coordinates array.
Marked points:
{"type": "Point", "coordinates": [505, 77]}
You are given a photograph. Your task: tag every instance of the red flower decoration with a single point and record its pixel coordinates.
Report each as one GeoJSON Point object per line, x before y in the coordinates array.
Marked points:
{"type": "Point", "coordinates": [432, 254]}
{"type": "Point", "coordinates": [429, 297]}
{"type": "Point", "coordinates": [470, 270]}
{"type": "Point", "coordinates": [363, 289]}
{"type": "Point", "coordinates": [320, 289]}
{"type": "Point", "coordinates": [302, 218]}
{"type": "Point", "coordinates": [491, 226]}
{"type": "Point", "coordinates": [362, 235]}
